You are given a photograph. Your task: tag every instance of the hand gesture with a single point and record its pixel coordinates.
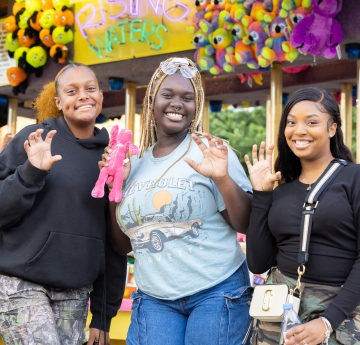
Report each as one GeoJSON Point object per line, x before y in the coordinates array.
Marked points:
{"type": "Point", "coordinates": [310, 333]}
{"type": "Point", "coordinates": [261, 177]}
{"type": "Point", "coordinates": [215, 162]}
{"type": "Point", "coordinates": [39, 150]}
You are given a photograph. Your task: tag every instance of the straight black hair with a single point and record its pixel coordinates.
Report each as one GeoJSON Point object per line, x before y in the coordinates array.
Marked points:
{"type": "Point", "coordinates": [287, 162]}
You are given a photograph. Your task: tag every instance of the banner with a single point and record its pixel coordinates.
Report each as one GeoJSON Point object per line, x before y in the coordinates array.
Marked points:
{"type": "Point", "coordinates": [113, 30]}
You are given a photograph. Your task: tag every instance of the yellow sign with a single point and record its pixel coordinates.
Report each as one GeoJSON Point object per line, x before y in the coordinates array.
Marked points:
{"type": "Point", "coordinates": [112, 30]}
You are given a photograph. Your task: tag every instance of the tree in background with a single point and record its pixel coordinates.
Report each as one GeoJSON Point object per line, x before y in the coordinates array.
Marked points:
{"type": "Point", "coordinates": [241, 128]}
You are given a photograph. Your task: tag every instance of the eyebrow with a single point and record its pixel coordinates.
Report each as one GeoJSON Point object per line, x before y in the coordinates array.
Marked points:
{"type": "Point", "coordinates": [307, 116]}
{"type": "Point", "coordinates": [170, 89]}
{"type": "Point", "coordinates": [74, 84]}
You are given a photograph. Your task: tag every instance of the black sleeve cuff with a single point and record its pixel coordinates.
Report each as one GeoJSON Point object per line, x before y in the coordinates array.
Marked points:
{"type": "Point", "coordinates": [31, 174]}
{"type": "Point", "coordinates": [334, 315]}
{"type": "Point", "coordinates": [96, 323]}
{"type": "Point", "coordinates": [262, 199]}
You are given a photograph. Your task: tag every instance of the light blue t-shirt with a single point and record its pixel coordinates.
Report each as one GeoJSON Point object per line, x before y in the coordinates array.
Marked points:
{"type": "Point", "coordinates": [182, 243]}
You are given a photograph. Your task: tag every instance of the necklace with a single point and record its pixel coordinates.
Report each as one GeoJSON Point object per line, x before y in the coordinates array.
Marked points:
{"type": "Point", "coordinates": [309, 186]}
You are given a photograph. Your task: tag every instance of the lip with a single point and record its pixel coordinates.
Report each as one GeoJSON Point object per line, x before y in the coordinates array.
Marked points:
{"type": "Point", "coordinates": [302, 144]}
{"type": "Point", "coordinates": [87, 106]}
{"type": "Point", "coordinates": [175, 117]}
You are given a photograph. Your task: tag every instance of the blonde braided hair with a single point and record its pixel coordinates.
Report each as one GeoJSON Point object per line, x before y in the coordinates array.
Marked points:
{"type": "Point", "coordinates": [148, 132]}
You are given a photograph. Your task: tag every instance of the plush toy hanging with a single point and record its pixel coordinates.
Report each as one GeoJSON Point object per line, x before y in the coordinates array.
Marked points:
{"type": "Point", "coordinates": [263, 31]}
{"type": "Point", "coordinates": [17, 79]}
{"type": "Point", "coordinates": [120, 143]}
{"type": "Point", "coordinates": [35, 27]}
{"type": "Point", "coordinates": [319, 33]}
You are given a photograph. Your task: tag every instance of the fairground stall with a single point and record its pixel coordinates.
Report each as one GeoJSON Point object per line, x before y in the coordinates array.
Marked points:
{"type": "Point", "coordinates": [250, 53]}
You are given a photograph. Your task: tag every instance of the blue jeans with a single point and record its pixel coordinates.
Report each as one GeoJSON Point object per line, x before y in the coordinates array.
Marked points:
{"type": "Point", "coordinates": [215, 316]}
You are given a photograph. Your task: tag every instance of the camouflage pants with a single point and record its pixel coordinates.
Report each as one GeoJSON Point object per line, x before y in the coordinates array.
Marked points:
{"type": "Point", "coordinates": [314, 300]}
{"type": "Point", "coordinates": [33, 314]}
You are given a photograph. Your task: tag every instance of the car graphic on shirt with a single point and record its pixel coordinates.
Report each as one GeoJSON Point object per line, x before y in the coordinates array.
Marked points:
{"type": "Point", "coordinates": [158, 228]}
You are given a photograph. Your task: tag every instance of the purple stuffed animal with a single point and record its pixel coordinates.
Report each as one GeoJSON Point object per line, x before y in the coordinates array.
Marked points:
{"type": "Point", "coordinates": [319, 33]}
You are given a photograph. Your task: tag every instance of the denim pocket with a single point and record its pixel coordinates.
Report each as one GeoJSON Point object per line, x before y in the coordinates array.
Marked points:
{"type": "Point", "coordinates": [235, 319]}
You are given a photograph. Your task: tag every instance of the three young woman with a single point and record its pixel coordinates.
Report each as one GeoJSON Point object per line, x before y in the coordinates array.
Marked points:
{"type": "Point", "coordinates": [53, 248]}
{"type": "Point", "coordinates": [184, 200]}
{"type": "Point", "coordinates": [310, 137]}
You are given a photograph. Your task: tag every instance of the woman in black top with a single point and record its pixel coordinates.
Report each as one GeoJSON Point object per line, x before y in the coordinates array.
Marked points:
{"type": "Point", "coordinates": [310, 137]}
{"type": "Point", "coordinates": [53, 247]}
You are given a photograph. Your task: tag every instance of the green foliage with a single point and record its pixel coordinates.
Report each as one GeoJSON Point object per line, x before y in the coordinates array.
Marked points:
{"type": "Point", "coordinates": [242, 129]}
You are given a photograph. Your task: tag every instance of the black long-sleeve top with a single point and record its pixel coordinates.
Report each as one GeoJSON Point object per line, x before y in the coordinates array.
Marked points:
{"type": "Point", "coordinates": [52, 231]}
{"type": "Point", "coordinates": [273, 237]}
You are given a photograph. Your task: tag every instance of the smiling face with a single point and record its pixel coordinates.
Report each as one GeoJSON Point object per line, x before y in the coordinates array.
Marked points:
{"type": "Point", "coordinates": [307, 131]}
{"type": "Point", "coordinates": [174, 106]}
{"type": "Point", "coordinates": [79, 96]}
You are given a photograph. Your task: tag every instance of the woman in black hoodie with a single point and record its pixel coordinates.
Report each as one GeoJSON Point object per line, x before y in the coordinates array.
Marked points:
{"type": "Point", "coordinates": [53, 248]}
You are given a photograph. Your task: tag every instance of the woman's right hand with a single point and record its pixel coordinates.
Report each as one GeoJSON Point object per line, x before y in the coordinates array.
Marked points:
{"type": "Point", "coordinates": [105, 161]}
{"type": "Point", "coordinates": [261, 177]}
{"type": "Point", "coordinates": [39, 150]}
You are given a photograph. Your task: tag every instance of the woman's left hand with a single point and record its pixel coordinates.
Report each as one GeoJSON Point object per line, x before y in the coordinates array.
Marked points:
{"type": "Point", "coordinates": [215, 162]}
{"type": "Point", "coordinates": [310, 333]}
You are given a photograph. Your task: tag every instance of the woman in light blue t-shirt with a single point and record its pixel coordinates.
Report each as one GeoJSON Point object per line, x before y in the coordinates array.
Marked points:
{"type": "Point", "coordinates": [184, 201]}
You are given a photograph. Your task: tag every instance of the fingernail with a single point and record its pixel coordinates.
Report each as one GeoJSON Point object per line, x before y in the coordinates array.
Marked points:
{"type": "Point", "coordinates": [108, 158]}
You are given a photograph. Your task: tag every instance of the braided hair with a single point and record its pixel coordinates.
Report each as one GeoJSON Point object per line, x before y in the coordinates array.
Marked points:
{"type": "Point", "coordinates": [149, 132]}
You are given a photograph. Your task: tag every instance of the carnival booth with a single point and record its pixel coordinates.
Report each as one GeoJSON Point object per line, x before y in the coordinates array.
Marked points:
{"type": "Point", "coordinates": [249, 53]}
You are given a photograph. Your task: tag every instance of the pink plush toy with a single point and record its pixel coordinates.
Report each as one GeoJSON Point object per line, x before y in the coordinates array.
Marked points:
{"type": "Point", "coordinates": [319, 33]}
{"type": "Point", "coordinates": [120, 143]}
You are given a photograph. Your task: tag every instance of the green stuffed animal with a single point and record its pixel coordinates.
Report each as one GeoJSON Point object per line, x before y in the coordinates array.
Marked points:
{"type": "Point", "coordinates": [62, 35]}
{"type": "Point", "coordinates": [47, 19]}
{"type": "Point", "coordinates": [11, 44]}
{"type": "Point", "coordinates": [36, 57]}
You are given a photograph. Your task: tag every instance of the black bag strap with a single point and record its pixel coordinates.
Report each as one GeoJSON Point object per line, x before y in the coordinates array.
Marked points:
{"type": "Point", "coordinates": [311, 202]}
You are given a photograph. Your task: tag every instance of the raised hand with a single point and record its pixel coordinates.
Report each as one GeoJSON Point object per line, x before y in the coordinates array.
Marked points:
{"type": "Point", "coordinates": [215, 162]}
{"type": "Point", "coordinates": [39, 150]}
{"type": "Point", "coordinates": [261, 177]}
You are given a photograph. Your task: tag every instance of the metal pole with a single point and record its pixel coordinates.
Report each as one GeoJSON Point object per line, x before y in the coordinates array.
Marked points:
{"type": "Point", "coordinates": [130, 106]}
{"type": "Point", "coordinates": [269, 140]}
{"type": "Point", "coordinates": [346, 113]}
{"type": "Point", "coordinates": [206, 111]}
{"type": "Point", "coordinates": [276, 103]}
{"type": "Point", "coordinates": [12, 115]}
{"type": "Point", "coordinates": [206, 117]}
{"type": "Point", "coordinates": [358, 114]}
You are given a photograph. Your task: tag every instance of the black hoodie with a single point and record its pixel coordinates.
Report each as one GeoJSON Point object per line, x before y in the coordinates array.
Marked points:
{"type": "Point", "coordinates": [52, 231]}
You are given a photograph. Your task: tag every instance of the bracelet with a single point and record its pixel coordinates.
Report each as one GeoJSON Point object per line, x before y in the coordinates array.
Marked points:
{"type": "Point", "coordinates": [328, 331]}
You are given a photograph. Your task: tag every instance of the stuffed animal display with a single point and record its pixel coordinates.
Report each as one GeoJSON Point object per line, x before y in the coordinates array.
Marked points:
{"type": "Point", "coordinates": [259, 32]}
{"type": "Point", "coordinates": [120, 143]}
{"type": "Point", "coordinates": [37, 30]}
{"type": "Point", "coordinates": [319, 33]}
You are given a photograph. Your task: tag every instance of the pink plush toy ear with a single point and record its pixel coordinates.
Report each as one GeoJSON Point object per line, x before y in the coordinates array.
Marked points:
{"type": "Point", "coordinates": [113, 135]}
